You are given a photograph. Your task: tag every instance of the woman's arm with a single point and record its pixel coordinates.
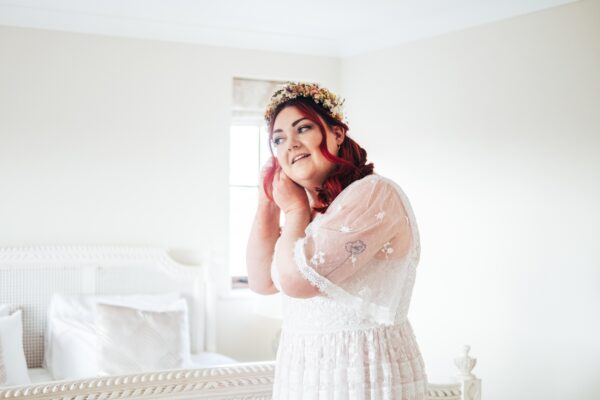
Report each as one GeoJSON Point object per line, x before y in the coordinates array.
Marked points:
{"type": "Point", "coordinates": [261, 245]}
{"type": "Point", "coordinates": [293, 201]}
{"type": "Point", "coordinates": [293, 283]}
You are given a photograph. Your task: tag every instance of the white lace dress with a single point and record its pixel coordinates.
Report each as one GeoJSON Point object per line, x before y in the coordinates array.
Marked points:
{"type": "Point", "coordinates": [353, 341]}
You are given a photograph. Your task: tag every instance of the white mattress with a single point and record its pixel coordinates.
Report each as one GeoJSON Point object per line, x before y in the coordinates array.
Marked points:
{"type": "Point", "coordinates": [39, 375]}
{"type": "Point", "coordinates": [206, 359]}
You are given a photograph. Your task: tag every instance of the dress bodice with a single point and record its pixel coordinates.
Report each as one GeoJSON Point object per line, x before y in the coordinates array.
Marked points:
{"type": "Point", "coordinates": [325, 314]}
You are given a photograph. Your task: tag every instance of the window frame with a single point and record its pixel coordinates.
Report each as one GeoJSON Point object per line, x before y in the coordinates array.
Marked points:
{"type": "Point", "coordinates": [237, 281]}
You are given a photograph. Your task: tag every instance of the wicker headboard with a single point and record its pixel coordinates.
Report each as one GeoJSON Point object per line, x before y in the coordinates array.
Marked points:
{"type": "Point", "coordinates": [30, 275]}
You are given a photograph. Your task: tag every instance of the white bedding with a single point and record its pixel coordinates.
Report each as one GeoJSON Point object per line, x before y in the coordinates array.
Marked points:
{"type": "Point", "coordinates": [39, 375]}
{"type": "Point", "coordinates": [206, 359]}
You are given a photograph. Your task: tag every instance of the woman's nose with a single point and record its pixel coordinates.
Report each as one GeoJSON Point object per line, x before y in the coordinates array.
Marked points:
{"type": "Point", "coordinates": [293, 144]}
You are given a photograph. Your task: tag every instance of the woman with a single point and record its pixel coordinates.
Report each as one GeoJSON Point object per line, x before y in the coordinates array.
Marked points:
{"type": "Point", "coordinates": [344, 259]}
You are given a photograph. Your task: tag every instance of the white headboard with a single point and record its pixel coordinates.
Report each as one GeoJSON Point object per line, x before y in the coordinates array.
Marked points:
{"type": "Point", "coordinates": [30, 275]}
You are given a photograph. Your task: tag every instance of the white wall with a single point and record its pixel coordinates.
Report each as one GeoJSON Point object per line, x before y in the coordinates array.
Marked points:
{"type": "Point", "coordinates": [494, 133]}
{"type": "Point", "coordinates": [122, 141]}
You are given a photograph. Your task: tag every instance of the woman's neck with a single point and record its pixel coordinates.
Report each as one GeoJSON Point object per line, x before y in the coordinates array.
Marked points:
{"type": "Point", "coordinates": [313, 199]}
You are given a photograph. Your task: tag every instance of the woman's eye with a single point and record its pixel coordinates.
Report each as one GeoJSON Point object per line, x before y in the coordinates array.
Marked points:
{"type": "Point", "coordinates": [304, 128]}
{"type": "Point", "coordinates": [277, 141]}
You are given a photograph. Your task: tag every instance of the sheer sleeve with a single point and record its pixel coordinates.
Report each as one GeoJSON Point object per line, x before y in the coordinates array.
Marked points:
{"type": "Point", "coordinates": [364, 231]}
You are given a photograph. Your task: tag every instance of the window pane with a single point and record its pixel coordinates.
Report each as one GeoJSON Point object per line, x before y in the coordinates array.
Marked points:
{"type": "Point", "coordinates": [242, 207]}
{"type": "Point", "coordinates": [243, 155]}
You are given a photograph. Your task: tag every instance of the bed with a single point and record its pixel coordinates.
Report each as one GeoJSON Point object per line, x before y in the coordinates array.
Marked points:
{"type": "Point", "coordinates": [30, 276]}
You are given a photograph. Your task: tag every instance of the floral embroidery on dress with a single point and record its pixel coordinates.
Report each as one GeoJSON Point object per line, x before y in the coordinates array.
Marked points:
{"type": "Point", "coordinates": [380, 215]}
{"type": "Point", "coordinates": [355, 248]}
{"type": "Point", "coordinates": [387, 249]}
{"type": "Point", "coordinates": [345, 229]}
{"type": "Point", "coordinates": [318, 258]}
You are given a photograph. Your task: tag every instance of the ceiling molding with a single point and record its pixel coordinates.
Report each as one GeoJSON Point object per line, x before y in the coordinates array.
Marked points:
{"type": "Point", "coordinates": [381, 29]}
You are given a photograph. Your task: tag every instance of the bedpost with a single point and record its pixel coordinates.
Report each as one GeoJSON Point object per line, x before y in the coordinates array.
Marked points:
{"type": "Point", "coordinates": [212, 263]}
{"type": "Point", "coordinates": [470, 385]}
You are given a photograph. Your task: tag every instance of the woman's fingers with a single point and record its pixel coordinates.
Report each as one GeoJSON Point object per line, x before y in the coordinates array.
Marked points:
{"type": "Point", "coordinates": [267, 166]}
{"type": "Point", "coordinates": [278, 174]}
{"type": "Point", "coordinates": [283, 176]}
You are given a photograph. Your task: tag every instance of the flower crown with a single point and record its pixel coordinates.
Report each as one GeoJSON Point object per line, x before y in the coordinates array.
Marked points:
{"type": "Point", "coordinates": [330, 101]}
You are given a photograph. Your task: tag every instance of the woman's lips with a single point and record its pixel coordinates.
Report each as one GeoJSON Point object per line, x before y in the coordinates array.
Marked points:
{"type": "Point", "coordinates": [300, 157]}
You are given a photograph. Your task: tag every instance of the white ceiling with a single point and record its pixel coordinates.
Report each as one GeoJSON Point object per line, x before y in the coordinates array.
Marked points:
{"type": "Point", "coordinates": [323, 27]}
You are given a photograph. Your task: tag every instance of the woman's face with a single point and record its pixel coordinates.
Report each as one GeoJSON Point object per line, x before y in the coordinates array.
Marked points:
{"type": "Point", "coordinates": [296, 141]}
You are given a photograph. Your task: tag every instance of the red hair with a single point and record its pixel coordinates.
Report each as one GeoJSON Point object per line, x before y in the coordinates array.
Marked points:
{"type": "Point", "coordinates": [350, 165]}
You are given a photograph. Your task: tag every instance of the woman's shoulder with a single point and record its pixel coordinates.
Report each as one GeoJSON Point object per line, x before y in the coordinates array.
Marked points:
{"type": "Point", "coordinates": [370, 183]}
{"type": "Point", "coordinates": [363, 190]}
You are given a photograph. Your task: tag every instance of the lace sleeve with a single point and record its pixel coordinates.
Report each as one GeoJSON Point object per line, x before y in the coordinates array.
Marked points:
{"type": "Point", "coordinates": [365, 224]}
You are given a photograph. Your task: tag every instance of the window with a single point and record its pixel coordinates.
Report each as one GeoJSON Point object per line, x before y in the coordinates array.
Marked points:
{"type": "Point", "coordinates": [248, 152]}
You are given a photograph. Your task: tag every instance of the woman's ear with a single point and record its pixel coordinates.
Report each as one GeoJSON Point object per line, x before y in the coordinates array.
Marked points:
{"type": "Point", "coordinates": [340, 134]}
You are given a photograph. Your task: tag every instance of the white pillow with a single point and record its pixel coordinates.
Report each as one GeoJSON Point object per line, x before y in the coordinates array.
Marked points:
{"type": "Point", "coordinates": [135, 341]}
{"type": "Point", "coordinates": [2, 367]}
{"type": "Point", "coordinates": [71, 339]}
{"type": "Point", "coordinates": [4, 310]}
{"type": "Point", "coordinates": [13, 357]}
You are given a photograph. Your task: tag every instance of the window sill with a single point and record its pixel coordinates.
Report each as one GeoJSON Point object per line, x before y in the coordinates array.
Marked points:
{"type": "Point", "coordinates": [239, 282]}
{"type": "Point", "coordinates": [237, 294]}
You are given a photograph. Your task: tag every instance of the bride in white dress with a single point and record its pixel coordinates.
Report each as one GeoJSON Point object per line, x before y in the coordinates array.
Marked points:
{"type": "Point", "coordinates": [344, 260]}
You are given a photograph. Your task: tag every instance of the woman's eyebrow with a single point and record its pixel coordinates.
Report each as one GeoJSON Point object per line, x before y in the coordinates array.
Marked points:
{"type": "Point", "coordinates": [296, 122]}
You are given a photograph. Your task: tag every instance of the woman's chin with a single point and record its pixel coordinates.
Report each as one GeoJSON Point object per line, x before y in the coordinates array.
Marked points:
{"type": "Point", "coordinates": [305, 177]}
{"type": "Point", "coordinates": [300, 178]}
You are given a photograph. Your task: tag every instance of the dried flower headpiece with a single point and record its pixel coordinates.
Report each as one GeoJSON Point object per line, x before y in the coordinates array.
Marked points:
{"type": "Point", "coordinates": [330, 101]}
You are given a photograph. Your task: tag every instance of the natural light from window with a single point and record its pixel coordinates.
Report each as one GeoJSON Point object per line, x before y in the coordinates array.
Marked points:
{"type": "Point", "coordinates": [248, 152]}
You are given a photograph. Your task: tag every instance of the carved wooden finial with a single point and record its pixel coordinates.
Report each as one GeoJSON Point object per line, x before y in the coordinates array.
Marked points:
{"type": "Point", "coordinates": [465, 364]}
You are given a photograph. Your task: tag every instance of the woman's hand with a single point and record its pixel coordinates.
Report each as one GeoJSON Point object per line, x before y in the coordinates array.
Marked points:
{"type": "Point", "coordinates": [288, 195]}
{"type": "Point", "coordinates": [262, 196]}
